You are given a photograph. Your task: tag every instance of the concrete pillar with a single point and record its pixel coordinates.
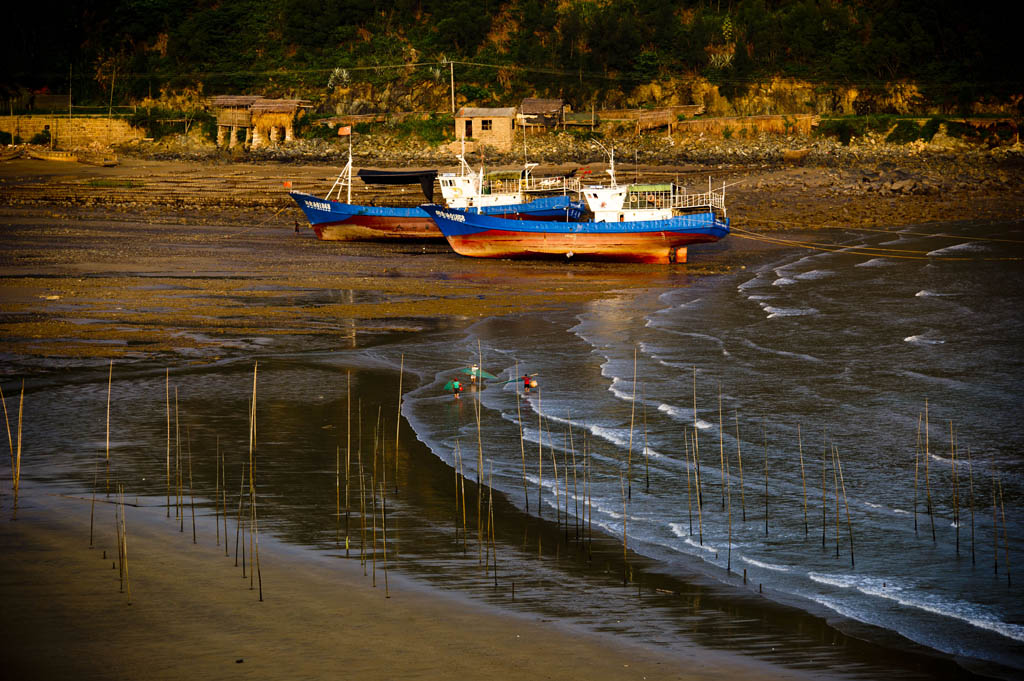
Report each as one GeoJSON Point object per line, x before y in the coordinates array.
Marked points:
{"type": "Point", "coordinates": [222, 133]}
{"type": "Point", "coordinates": [257, 138]}
{"type": "Point", "coordinates": [289, 132]}
{"type": "Point", "coordinates": [234, 137]}
{"type": "Point", "coordinates": [275, 134]}
{"type": "Point", "coordinates": [248, 137]}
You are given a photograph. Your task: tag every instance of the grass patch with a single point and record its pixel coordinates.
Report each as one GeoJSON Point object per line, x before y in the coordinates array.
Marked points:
{"type": "Point", "coordinates": [111, 182]}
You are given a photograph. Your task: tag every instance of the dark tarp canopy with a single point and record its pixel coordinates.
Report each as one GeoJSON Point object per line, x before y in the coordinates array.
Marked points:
{"type": "Point", "coordinates": [424, 178]}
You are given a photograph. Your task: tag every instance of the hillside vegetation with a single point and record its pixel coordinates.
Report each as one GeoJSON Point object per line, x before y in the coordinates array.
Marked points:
{"type": "Point", "coordinates": [590, 52]}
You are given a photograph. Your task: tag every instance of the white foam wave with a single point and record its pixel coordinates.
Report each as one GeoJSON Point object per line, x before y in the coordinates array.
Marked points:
{"type": "Point", "coordinates": [683, 414]}
{"type": "Point", "coordinates": [709, 548]}
{"type": "Point", "coordinates": [921, 340]}
{"type": "Point", "coordinates": [924, 293]}
{"type": "Point", "coordinates": [774, 312]}
{"type": "Point", "coordinates": [759, 297]}
{"type": "Point", "coordinates": [875, 262]}
{"type": "Point", "coordinates": [814, 274]}
{"type": "Point", "coordinates": [908, 596]}
{"type": "Point", "coordinates": [783, 281]}
{"type": "Point", "coordinates": [956, 249]}
{"type": "Point", "coordinates": [766, 566]}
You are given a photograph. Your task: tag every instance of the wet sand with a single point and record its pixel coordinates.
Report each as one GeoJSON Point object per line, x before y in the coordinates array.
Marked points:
{"type": "Point", "coordinates": [172, 270]}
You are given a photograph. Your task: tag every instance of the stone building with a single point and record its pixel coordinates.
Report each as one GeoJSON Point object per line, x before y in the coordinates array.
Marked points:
{"type": "Point", "coordinates": [487, 127]}
{"type": "Point", "coordinates": [541, 113]}
{"type": "Point", "coordinates": [254, 121]}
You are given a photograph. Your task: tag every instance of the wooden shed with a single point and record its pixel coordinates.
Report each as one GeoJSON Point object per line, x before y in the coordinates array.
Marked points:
{"type": "Point", "coordinates": [273, 120]}
{"type": "Point", "coordinates": [234, 118]}
{"type": "Point", "coordinates": [491, 127]}
{"type": "Point", "coordinates": [541, 113]}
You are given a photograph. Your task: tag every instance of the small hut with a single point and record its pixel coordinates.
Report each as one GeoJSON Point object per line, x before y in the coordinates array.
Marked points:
{"type": "Point", "coordinates": [492, 127]}
{"type": "Point", "coordinates": [273, 120]}
{"type": "Point", "coordinates": [541, 113]}
{"type": "Point", "coordinates": [233, 118]}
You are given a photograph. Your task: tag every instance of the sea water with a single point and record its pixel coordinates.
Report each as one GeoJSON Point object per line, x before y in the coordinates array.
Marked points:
{"type": "Point", "coordinates": [849, 378]}
{"type": "Point", "coordinates": [845, 377]}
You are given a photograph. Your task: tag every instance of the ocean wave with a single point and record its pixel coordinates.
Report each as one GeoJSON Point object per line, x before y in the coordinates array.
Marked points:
{"type": "Point", "coordinates": [766, 566]}
{"type": "Point", "coordinates": [774, 312]}
{"type": "Point", "coordinates": [968, 247]}
{"type": "Point", "coordinates": [920, 339]}
{"type": "Point", "coordinates": [759, 297]}
{"type": "Point", "coordinates": [683, 414]}
{"type": "Point", "coordinates": [782, 353]}
{"type": "Point", "coordinates": [910, 597]}
{"type": "Point", "coordinates": [814, 274]}
{"type": "Point", "coordinates": [924, 293]}
{"type": "Point", "coordinates": [875, 262]}
{"type": "Point", "coordinates": [783, 281]}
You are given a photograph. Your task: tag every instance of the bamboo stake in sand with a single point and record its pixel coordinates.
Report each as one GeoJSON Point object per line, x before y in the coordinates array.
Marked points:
{"type": "Point", "coordinates": [167, 400]}
{"type": "Point", "coordinates": [824, 499]}
{"type": "Point", "coordinates": [177, 464]}
{"type": "Point", "coordinates": [835, 486]}
{"type": "Point", "coordinates": [224, 499]}
{"type": "Point", "coordinates": [191, 489]}
{"type": "Point", "coordinates": [625, 555]}
{"type": "Point", "coordinates": [956, 486]}
{"type": "Point", "coordinates": [970, 471]}
{"type": "Point", "coordinates": [917, 457]}
{"type": "Point", "coordinates": [700, 505]}
{"type": "Point", "coordinates": [647, 460]}
{"type": "Point", "coordinates": [849, 524]}
{"type": "Point", "coordinates": [721, 441]}
{"type": "Point", "coordinates": [522, 445]}
{"type": "Point", "coordinates": [216, 490]}
{"type": "Point", "coordinates": [110, 377]}
{"type": "Point", "coordinates": [92, 506]}
{"type": "Point", "coordinates": [995, 531]}
{"type": "Point", "coordinates": [124, 548]}
{"type": "Point", "coordinates": [927, 474]}
{"type": "Point", "coordinates": [689, 491]}
{"type": "Point", "coordinates": [803, 477]}
{"type": "Point", "coordinates": [540, 456]}
{"type": "Point", "coordinates": [238, 522]}
{"type": "Point", "coordinates": [739, 460]}
{"type": "Point", "coordinates": [765, 434]}
{"type": "Point", "coordinates": [575, 490]}
{"type": "Point", "coordinates": [462, 489]}
{"type": "Point", "coordinates": [362, 500]}
{"type": "Point", "coordinates": [348, 453]}
{"type": "Point", "coordinates": [10, 440]}
{"type": "Point", "coordinates": [632, 416]}
{"type": "Point", "coordinates": [17, 455]}
{"type": "Point", "coordinates": [1006, 540]}
{"type": "Point", "coordinates": [398, 423]}
{"type": "Point", "coordinates": [384, 532]}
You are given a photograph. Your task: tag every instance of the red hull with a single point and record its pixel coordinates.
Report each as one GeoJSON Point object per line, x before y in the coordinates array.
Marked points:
{"type": "Point", "coordinates": [378, 228]}
{"type": "Point", "coordinates": [646, 247]}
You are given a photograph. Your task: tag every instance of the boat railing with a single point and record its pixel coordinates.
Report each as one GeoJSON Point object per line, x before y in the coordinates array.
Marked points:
{"type": "Point", "coordinates": [712, 199]}
{"type": "Point", "coordinates": [550, 184]}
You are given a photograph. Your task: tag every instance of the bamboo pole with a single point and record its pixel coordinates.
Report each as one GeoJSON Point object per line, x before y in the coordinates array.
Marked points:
{"type": "Point", "coordinates": [224, 499]}
{"type": "Point", "coordinates": [927, 474]}
{"type": "Point", "coordinates": [835, 486]}
{"type": "Point", "coordinates": [348, 454]}
{"type": "Point", "coordinates": [216, 490]}
{"type": "Point", "coordinates": [1006, 539]}
{"type": "Point", "coordinates": [824, 499]}
{"type": "Point", "coordinates": [956, 487]}
{"type": "Point", "coordinates": [554, 472]}
{"type": "Point", "coordinates": [696, 454]}
{"type": "Point", "coordinates": [689, 473]}
{"type": "Point", "coordinates": [575, 489]}
{"type": "Point", "coordinates": [625, 555]}
{"type": "Point", "coordinates": [10, 440]}
{"type": "Point", "coordinates": [970, 471]}
{"type": "Point", "coordinates": [373, 510]}
{"type": "Point", "coordinates": [92, 506]}
{"type": "Point", "coordinates": [455, 471]}
{"type": "Point", "coordinates": [191, 489]}
{"type": "Point", "coordinates": [177, 464]}
{"type": "Point", "coordinates": [252, 476]}
{"type": "Point", "coordinates": [167, 399]}
{"type": "Point", "coordinates": [362, 497]}
{"type": "Point", "coordinates": [565, 485]}
{"type": "Point", "coordinates": [540, 456]}
{"type": "Point", "coordinates": [110, 377]}
{"type": "Point", "coordinates": [917, 456]}
{"type": "Point", "coordinates": [765, 434]}
{"type": "Point", "coordinates": [849, 524]}
{"type": "Point", "coordinates": [728, 496]}
{"type": "Point", "coordinates": [739, 460]}
{"type": "Point", "coordinates": [490, 523]}
{"type": "Point", "coordinates": [17, 455]}
{"type": "Point", "coordinates": [239, 522]}
{"type": "Point", "coordinates": [398, 428]}
{"type": "Point", "coordinates": [632, 416]}
{"type": "Point", "coordinates": [384, 532]}
{"type": "Point", "coordinates": [647, 462]}
{"type": "Point", "coordinates": [120, 548]}
{"type": "Point", "coordinates": [995, 531]}
{"type": "Point", "coordinates": [124, 548]}
{"type": "Point", "coordinates": [721, 442]}
{"type": "Point", "coordinates": [803, 478]}
{"type": "Point", "coordinates": [522, 445]}
{"type": "Point", "coordinates": [700, 505]}
{"type": "Point", "coordinates": [462, 485]}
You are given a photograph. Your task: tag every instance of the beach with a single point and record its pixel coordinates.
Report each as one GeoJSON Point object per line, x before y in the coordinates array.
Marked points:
{"type": "Point", "coordinates": [205, 269]}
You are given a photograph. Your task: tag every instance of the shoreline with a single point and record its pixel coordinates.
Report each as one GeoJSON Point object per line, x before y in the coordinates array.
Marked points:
{"type": "Point", "coordinates": [179, 292]}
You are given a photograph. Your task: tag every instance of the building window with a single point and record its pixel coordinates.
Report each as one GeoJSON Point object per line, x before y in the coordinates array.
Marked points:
{"type": "Point", "coordinates": [485, 125]}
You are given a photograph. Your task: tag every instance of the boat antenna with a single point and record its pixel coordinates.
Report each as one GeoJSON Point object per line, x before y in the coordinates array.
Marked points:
{"type": "Point", "coordinates": [349, 200]}
{"type": "Point", "coordinates": [611, 161]}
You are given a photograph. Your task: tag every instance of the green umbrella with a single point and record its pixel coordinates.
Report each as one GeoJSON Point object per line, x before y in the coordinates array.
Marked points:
{"type": "Point", "coordinates": [479, 373]}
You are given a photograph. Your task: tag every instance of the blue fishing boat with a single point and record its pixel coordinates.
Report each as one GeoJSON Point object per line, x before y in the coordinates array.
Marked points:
{"type": "Point", "coordinates": [335, 220]}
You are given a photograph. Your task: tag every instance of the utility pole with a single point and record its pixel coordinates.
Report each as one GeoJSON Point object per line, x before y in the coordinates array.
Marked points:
{"type": "Point", "coordinates": [451, 66]}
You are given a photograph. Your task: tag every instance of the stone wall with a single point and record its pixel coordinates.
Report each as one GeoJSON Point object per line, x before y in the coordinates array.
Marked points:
{"type": "Point", "coordinates": [77, 131]}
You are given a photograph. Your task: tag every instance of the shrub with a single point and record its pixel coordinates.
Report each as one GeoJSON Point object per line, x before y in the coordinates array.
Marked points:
{"type": "Point", "coordinates": [904, 132]}
{"type": "Point", "coordinates": [5, 137]}
{"type": "Point", "coordinates": [41, 137]}
{"type": "Point", "coordinates": [727, 132]}
{"type": "Point", "coordinates": [434, 130]}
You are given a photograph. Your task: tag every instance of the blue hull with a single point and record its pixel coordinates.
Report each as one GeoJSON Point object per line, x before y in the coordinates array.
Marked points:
{"type": "Point", "coordinates": [652, 241]}
{"type": "Point", "coordinates": [337, 221]}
